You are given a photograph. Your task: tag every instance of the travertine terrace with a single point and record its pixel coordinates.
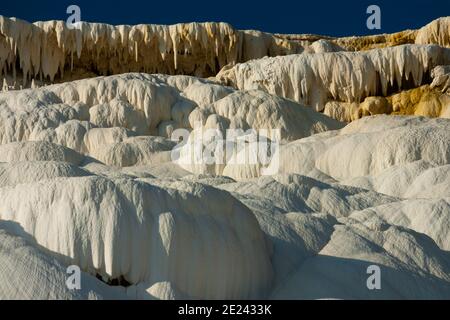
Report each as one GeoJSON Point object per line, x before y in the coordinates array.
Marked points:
{"type": "Point", "coordinates": [93, 173]}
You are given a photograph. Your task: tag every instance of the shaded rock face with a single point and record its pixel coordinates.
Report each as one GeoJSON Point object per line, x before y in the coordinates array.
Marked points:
{"type": "Point", "coordinates": [94, 173]}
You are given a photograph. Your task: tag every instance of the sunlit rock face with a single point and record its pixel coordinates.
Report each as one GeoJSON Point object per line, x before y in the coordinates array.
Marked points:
{"type": "Point", "coordinates": [100, 173]}
{"type": "Point", "coordinates": [315, 79]}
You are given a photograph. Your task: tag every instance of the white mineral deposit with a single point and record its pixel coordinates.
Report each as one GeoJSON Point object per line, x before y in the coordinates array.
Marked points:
{"type": "Point", "coordinates": [198, 161]}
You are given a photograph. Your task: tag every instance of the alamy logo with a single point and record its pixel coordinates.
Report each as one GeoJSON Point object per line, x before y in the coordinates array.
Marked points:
{"type": "Point", "coordinates": [374, 280]}
{"type": "Point", "coordinates": [258, 148]}
{"type": "Point", "coordinates": [374, 20]}
{"type": "Point", "coordinates": [73, 20]}
{"type": "Point", "coordinates": [73, 282]}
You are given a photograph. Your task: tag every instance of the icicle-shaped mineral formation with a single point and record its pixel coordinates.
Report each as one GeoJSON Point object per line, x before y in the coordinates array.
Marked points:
{"type": "Point", "coordinates": [48, 49]}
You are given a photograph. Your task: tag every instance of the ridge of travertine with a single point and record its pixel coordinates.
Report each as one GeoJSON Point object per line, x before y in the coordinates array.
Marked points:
{"type": "Point", "coordinates": [315, 79]}
{"type": "Point", "coordinates": [49, 51]}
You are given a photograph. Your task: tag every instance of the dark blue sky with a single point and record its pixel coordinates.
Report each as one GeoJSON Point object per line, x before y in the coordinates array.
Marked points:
{"type": "Point", "coordinates": [336, 18]}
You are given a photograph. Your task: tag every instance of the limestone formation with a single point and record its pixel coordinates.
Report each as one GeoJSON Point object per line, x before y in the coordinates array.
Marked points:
{"type": "Point", "coordinates": [197, 161]}
{"type": "Point", "coordinates": [314, 79]}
